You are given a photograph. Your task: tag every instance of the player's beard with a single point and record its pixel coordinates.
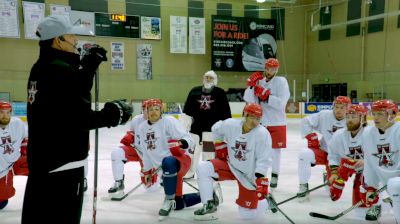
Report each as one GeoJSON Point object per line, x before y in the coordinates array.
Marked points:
{"type": "Point", "coordinates": [5, 121]}
{"type": "Point", "coordinates": [353, 127]}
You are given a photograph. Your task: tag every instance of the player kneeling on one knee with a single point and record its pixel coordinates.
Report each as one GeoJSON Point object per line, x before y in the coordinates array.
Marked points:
{"type": "Point", "coordinates": [243, 157]}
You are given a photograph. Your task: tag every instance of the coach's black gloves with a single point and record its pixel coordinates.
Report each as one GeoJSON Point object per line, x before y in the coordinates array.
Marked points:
{"type": "Point", "coordinates": [93, 57]}
{"type": "Point", "coordinates": [120, 111]}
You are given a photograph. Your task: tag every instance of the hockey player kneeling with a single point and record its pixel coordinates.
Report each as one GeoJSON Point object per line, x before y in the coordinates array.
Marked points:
{"type": "Point", "coordinates": [164, 143]}
{"type": "Point", "coordinates": [244, 157]}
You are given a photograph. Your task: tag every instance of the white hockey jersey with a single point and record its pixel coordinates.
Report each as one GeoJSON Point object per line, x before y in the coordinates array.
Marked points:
{"type": "Point", "coordinates": [273, 110]}
{"type": "Point", "coordinates": [10, 144]}
{"type": "Point", "coordinates": [152, 140]}
{"type": "Point", "coordinates": [381, 155]}
{"type": "Point", "coordinates": [248, 153]}
{"type": "Point", "coordinates": [136, 121]}
{"type": "Point", "coordinates": [323, 122]}
{"type": "Point", "coordinates": [343, 145]}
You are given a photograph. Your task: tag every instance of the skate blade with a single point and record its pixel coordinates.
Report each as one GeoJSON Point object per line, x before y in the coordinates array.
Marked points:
{"type": "Point", "coordinates": [116, 195]}
{"type": "Point", "coordinates": [161, 218]}
{"type": "Point", "coordinates": [207, 217]}
{"type": "Point", "coordinates": [303, 199]}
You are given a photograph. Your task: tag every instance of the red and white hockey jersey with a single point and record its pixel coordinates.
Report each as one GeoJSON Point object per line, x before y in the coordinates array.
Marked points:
{"type": "Point", "coordinates": [152, 140]}
{"type": "Point", "coordinates": [323, 122]}
{"type": "Point", "coordinates": [248, 153]}
{"type": "Point", "coordinates": [10, 144]}
{"type": "Point", "coordinates": [343, 145]}
{"type": "Point", "coordinates": [381, 155]}
{"type": "Point", "coordinates": [273, 110]}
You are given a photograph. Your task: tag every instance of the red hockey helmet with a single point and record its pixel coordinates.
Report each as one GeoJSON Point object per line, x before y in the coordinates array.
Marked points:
{"type": "Point", "coordinates": [253, 109]}
{"type": "Point", "coordinates": [385, 105]}
{"type": "Point", "coordinates": [5, 105]}
{"type": "Point", "coordinates": [342, 100]}
{"type": "Point", "coordinates": [357, 109]}
{"type": "Point", "coordinates": [271, 63]}
{"type": "Point", "coordinates": [154, 102]}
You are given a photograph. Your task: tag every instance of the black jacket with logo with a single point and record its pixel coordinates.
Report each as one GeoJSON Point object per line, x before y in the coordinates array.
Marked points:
{"type": "Point", "coordinates": [59, 111]}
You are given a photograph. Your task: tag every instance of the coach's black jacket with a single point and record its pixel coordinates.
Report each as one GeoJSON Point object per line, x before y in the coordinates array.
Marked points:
{"type": "Point", "coordinates": [59, 110]}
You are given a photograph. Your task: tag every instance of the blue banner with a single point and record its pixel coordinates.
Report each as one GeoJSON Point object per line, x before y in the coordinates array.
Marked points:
{"type": "Point", "coordinates": [311, 108]}
{"type": "Point", "coordinates": [19, 108]}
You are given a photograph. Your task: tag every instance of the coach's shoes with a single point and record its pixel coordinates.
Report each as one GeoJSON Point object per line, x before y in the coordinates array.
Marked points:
{"type": "Point", "coordinates": [303, 194]}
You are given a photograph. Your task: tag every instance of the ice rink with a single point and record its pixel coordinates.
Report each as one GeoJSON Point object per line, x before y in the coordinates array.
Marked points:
{"type": "Point", "coordinates": [142, 207]}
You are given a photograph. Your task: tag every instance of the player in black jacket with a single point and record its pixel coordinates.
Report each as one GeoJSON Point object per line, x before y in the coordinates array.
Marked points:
{"type": "Point", "coordinates": [59, 120]}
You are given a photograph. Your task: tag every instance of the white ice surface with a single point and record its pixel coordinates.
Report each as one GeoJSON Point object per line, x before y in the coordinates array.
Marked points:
{"type": "Point", "coordinates": [142, 207]}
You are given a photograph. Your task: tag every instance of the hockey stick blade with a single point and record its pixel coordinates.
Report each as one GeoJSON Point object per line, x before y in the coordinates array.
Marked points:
{"type": "Point", "coordinates": [127, 194]}
{"type": "Point", "coordinates": [322, 216]}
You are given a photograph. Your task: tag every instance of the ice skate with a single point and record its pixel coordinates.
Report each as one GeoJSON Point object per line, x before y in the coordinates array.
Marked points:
{"type": "Point", "coordinates": [274, 181]}
{"type": "Point", "coordinates": [168, 206]}
{"type": "Point", "coordinates": [303, 195]}
{"type": "Point", "coordinates": [207, 213]}
{"type": "Point", "coordinates": [373, 213]}
{"type": "Point", "coordinates": [217, 194]}
{"type": "Point", "coordinates": [117, 190]}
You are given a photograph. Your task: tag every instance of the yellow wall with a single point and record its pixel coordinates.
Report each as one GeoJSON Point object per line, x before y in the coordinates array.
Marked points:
{"type": "Point", "coordinates": [173, 74]}
{"type": "Point", "coordinates": [301, 54]}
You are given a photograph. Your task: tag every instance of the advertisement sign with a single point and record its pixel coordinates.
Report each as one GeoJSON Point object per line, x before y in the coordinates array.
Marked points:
{"type": "Point", "coordinates": [242, 44]}
{"type": "Point", "coordinates": [310, 108]}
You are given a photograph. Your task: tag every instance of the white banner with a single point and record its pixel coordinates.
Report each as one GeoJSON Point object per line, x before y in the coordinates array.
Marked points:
{"type": "Point", "coordinates": [178, 34]}
{"type": "Point", "coordinates": [150, 28]}
{"type": "Point", "coordinates": [83, 18]}
{"type": "Point", "coordinates": [33, 14]}
{"type": "Point", "coordinates": [9, 23]}
{"type": "Point", "coordinates": [144, 62]}
{"type": "Point", "coordinates": [197, 37]}
{"type": "Point", "coordinates": [117, 56]}
{"type": "Point", "coordinates": [64, 10]}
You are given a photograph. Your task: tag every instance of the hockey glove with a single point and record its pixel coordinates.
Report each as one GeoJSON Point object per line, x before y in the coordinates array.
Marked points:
{"type": "Point", "coordinates": [94, 56]}
{"type": "Point", "coordinates": [333, 174]}
{"type": "Point", "coordinates": [120, 111]}
{"type": "Point", "coordinates": [20, 167]}
{"type": "Point", "coordinates": [221, 150]}
{"type": "Point", "coordinates": [366, 196]}
{"type": "Point", "coordinates": [262, 187]}
{"type": "Point", "coordinates": [128, 139]}
{"type": "Point", "coordinates": [336, 189]}
{"type": "Point", "coordinates": [262, 93]}
{"type": "Point", "coordinates": [254, 78]}
{"type": "Point", "coordinates": [346, 168]}
{"type": "Point", "coordinates": [175, 148]}
{"type": "Point", "coordinates": [312, 141]}
{"type": "Point", "coordinates": [148, 177]}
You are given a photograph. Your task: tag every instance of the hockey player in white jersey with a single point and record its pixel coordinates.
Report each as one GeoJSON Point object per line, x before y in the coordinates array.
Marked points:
{"type": "Point", "coordinates": [13, 137]}
{"type": "Point", "coordinates": [381, 146]}
{"type": "Point", "coordinates": [244, 157]}
{"type": "Point", "coordinates": [346, 157]}
{"type": "Point", "coordinates": [272, 93]}
{"type": "Point", "coordinates": [127, 153]}
{"type": "Point", "coordinates": [164, 143]}
{"type": "Point", "coordinates": [326, 122]}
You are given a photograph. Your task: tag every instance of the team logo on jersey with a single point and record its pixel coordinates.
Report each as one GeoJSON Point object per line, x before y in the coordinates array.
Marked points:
{"type": "Point", "coordinates": [32, 91]}
{"type": "Point", "coordinates": [7, 145]}
{"type": "Point", "coordinates": [334, 128]}
{"type": "Point", "coordinates": [356, 152]}
{"type": "Point", "coordinates": [384, 155]}
{"type": "Point", "coordinates": [240, 150]}
{"type": "Point", "coordinates": [151, 140]}
{"type": "Point", "coordinates": [205, 102]}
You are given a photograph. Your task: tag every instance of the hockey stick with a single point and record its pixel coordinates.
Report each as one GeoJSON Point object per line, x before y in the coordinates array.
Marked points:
{"type": "Point", "coordinates": [268, 197]}
{"type": "Point", "coordinates": [322, 216]}
{"type": "Point", "coordinates": [132, 190]}
{"type": "Point", "coordinates": [191, 185]}
{"type": "Point", "coordinates": [299, 194]}
{"type": "Point", "coordinates": [96, 147]}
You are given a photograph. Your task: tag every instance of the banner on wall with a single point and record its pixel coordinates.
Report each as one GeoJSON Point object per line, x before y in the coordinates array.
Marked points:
{"type": "Point", "coordinates": [144, 62]}
{"type": "Point", "coordinates": [33, 14]}
{"type": "Point", "coordinates": [117, 56]}
{"type": "Point", "coordinates": [9, 23]}
{"type": "Point", "coordinates": [150, 28]}
{"type": "Point", "coordinates": [242, 44]}
{"type": "Point", "coordinates": [64, 10]}
{"type": "Point", "coordinates": [178, 34]}
{"type": "Point", "coordinates": [197, 37]}
{"type": "Point", "coordinates": [83, 18]}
